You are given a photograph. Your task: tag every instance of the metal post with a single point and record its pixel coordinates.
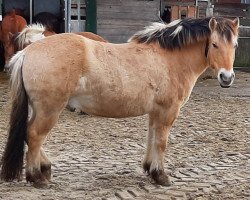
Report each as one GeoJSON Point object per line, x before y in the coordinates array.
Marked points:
{"type": "Point", "coordinates": [31, 11]}
{"type": "Point", "coordinates": [69, 16]}
{"type": "Point", "coordinates": [65, 15]}
{"type": "Point", "coordinates": [78, 14]}
{"type": "Point", "coordinates": [91, 11]}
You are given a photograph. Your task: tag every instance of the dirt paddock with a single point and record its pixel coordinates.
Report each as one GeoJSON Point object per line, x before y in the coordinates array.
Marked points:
{"type": "Point", "coordinates": [97, 158]}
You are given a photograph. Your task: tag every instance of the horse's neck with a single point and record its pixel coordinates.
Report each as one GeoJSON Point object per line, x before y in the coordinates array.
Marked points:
{"type": "Point", "coordinates": [194, 59]}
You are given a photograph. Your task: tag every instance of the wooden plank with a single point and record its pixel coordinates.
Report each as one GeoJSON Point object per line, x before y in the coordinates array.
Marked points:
{"type": "Point", "coordinates": [140, 16]}
{"type": "Point", "coordinates": [125, 9]}
{"type": "Point", "coordinates": [191, 11]}
{"type": "Point", "coordinates": [118, 20]}
{"type": "Point", "coordinates": [228, 1]}
{"type": "Point", "coordinates": [127, 3]}
{"type": "Point", "coordinates": [174, 13]}
{"type": "Point", "coordinates": [183, 12]}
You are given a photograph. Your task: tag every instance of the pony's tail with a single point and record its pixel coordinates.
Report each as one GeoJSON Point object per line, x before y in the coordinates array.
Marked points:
{"type": "Point", "coordinates": [12, 160]}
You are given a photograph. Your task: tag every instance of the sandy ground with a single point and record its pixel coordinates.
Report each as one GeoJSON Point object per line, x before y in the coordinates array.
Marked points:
{"type": "Point", "coordinates": [97, 158]}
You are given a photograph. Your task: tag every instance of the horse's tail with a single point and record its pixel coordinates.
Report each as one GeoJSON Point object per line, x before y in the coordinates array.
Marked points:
{"type": "Point", "coordinates": [12, 160]}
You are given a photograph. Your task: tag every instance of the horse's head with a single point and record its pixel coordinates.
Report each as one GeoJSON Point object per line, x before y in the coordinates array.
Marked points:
{"type": "Point", "coordinates": [221, 48]}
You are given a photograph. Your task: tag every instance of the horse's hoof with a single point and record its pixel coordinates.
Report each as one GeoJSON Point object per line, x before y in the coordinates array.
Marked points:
{"type": "Point", "coordinates": [41, 184]}
{"type": "Point", "coordinates": [71, 109]}
{"type": "Point", "coordinates": [46, 171]}
{"type": "Point", "coordinates": [82, 113]}
{"type": "Point", "coordinates": [37, 179]}
{"type": "Point", "coordinates": [160, 178]}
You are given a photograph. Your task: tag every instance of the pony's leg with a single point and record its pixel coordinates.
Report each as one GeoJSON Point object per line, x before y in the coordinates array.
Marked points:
{"type": "Point", "coordinates": [159, 129]}
{"type": "Point", "coordinates": [38, 129]}
{"type": "Point", "coordinates": [45, 165]}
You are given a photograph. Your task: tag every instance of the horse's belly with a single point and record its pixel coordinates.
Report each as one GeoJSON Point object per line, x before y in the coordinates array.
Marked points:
{"type": "Point", "coordinates": [108, 103]}
{"type": "Point", "coordinates": [109, 108]}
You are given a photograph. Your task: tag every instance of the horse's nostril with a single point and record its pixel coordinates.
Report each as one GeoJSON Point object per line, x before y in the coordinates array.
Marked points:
{"type": "Point", "coordinates": [221, 76]}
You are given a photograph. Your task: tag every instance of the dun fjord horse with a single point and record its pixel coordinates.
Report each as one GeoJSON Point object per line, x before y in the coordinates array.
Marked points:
{"type": "Point", "coordinates": [153, 74]}
{"type": "Point", "coordinates": [35, 32]}
{"type": "Point", "coordinates": [11, 24]}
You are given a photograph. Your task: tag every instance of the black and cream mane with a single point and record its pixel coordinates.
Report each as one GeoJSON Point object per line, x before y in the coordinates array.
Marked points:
{"type": "Point", "coordinates": [180, 33]}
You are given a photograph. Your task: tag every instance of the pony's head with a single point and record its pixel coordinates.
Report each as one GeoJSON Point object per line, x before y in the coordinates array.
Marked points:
{"type": "Point", "coordinates": [218, 36]}
{"type": "Point", "coordinates": [221, 48]}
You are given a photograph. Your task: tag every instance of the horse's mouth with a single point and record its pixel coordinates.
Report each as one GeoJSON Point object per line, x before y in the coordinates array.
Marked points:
{"type": "Point", "coordinates": [225, 86]}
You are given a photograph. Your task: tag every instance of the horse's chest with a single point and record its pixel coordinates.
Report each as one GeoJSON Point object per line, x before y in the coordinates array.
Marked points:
{"type": "Point", "coordinates": [186, 96]}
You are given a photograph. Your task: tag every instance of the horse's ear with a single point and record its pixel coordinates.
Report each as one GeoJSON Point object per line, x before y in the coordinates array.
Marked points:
{"type": "Point", "coordinates": [236, 22]}
{"type": "Point", "coordinates": [212, 24]}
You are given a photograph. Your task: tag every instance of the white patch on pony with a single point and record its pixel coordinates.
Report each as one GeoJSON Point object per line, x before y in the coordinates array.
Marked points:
{"type": "Point", "coordinates": [177, 30]}
{"type": "Point", "coordinates": [14, 62]}
{"type": "Point", "coordinates": [153, 28]}
{"type": "Point", "coordinates": [235, 41]}
{"type": "Point", "coordinates": [156, 162]}
{"type": "Point", "coordinates": [227, 74]}
{"type": "Point", "coordinates": [15, 68]}
{"type": "Point", "coordinates": [82, 83]}
{"type": "Point", "coordinates": [149, 30]}
{"type": "Point", "coordinates": [34, 38]}
{"type": "Point", "coordinates": [81, 98]}
{"type": "Point", "coordinates": [173, 23]}
{"type": "Point", "coordinates": [31, 33]}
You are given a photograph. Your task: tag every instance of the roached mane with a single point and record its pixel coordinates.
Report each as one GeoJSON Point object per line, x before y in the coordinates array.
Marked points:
{"type": "Point", "coordinates": [180, 33]}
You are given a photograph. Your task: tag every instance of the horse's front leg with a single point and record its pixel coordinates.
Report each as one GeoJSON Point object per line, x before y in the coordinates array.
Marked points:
{"type": "Point", "coordinates": [160, 124]}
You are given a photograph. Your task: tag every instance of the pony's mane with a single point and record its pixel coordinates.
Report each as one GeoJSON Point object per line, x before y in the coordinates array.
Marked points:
{"type": "Point", "coordinates": [28, 35]}
{"type": "Point", "coordinates": [180, 33]}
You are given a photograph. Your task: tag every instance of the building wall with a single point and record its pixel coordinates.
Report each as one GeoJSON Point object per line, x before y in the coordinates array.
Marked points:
{"type": "Point", "coordinates": [118, 20]}
{"type": "Point", "coordinates": [242, 53]}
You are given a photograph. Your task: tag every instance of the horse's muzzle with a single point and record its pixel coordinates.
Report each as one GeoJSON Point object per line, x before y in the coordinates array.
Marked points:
{"type": "Point", "coordinates": [226, 78]}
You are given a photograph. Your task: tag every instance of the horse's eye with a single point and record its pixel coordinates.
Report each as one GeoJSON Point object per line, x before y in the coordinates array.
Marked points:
{"type": "Point", "coordinates": [214, 45]}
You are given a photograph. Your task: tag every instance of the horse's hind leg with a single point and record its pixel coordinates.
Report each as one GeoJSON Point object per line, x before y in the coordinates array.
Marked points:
{"type": "Point", "coordinates": [160, 124]}
{"type": "Point", "coordinates": [36, 167]}
{"type": "Point", "coordinates": [45, 165]}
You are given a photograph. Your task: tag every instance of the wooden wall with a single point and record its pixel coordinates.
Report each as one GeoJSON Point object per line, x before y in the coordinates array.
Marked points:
{"type": "Point", "coordinates": [117, 20]}
{"type": "Point", "coordinates": [232, 10]}
{"type": "Point", "coordinates": [242, 58]}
